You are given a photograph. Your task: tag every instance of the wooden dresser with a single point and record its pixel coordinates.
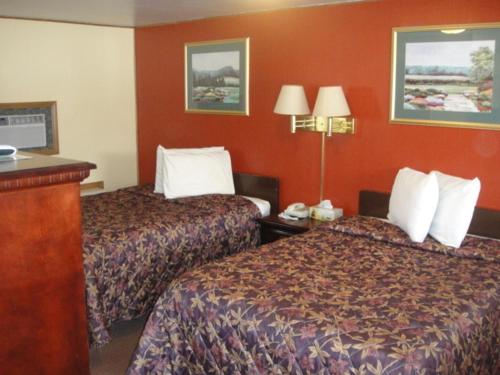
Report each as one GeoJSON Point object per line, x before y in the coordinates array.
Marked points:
{"type": "Point", "coordinates": [43, 326]}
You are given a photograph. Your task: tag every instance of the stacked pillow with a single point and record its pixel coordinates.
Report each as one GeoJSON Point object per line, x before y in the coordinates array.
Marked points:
{"type": "Point", "coordinates": [413, 202]}
{"type": "Point", "coordinates": [193, 171]}
{"type": "Point", "coordinates": [436, 204]}
{"type": "Point", "coordinates": [161, 151]}
{"type": "Point", "coordinates": [457, 199]}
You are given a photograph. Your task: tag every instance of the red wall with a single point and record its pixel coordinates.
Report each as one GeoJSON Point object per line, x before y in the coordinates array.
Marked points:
{"type": "Point", "coordinates": [348, 45]}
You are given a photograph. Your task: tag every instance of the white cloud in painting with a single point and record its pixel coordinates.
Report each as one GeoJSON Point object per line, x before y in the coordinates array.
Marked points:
{"type": "Point", "coordinates": [444, 53]}
{"type": "Point", "coordinates": [216, 60]}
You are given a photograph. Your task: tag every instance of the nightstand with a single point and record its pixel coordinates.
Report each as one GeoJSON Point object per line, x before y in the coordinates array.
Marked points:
{"type": "Point", "coordinates": [273, 228]}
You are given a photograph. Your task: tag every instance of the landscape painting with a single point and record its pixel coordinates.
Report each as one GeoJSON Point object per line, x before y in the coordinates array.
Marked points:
{"type": "Point", "coordinates": [450, 76]}
{"type": "Point", "coordinates": [446, 76]}
{"type": "Point", "coordinates": [217, 77]}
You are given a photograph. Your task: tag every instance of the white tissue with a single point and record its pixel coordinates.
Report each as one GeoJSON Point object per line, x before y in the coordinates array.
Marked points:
{"type": "Point", "coordinates": [325, 204]}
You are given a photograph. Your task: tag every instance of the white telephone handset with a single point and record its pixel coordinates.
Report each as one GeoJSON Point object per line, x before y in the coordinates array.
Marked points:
{"type": "Point", "coordinates": [298, 210]}
{"type": "Point", "coordinates": [6, 150]}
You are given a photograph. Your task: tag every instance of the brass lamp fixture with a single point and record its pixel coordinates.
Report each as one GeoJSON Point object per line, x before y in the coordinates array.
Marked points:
{"type": "Point", "coordinates": [331, 114]}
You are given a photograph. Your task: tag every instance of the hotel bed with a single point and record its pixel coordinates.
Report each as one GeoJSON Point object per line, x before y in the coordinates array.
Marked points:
{"type": "Point", "coordinates": [351, 296]}
{"type": "Point", "coordinates": [135, 242]}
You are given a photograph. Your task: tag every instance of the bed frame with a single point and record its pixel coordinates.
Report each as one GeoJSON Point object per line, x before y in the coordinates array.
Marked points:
{"type": "Point", "coordinates": [262, 187]}
{"type": "Point", "coordinates": [485, 222]}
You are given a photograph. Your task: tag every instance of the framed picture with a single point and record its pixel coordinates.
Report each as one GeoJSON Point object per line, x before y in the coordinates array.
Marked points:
{"type": "Point", "coordinates": [217, 77]}
{"type": "Point", "coordinates": [30, 126]}
{"type": "Point", "coordinates": [446, 76]}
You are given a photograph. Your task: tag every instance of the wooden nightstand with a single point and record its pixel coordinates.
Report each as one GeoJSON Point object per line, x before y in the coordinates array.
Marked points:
{"type": "Point", "coordinates": [273, 228]}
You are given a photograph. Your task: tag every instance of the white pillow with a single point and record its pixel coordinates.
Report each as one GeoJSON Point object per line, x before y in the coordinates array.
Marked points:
{"type": "Point", "coordinates": [413, 202]}
{"type": "Point", "coordinates": [190, 174]}
{"type": "Point", "coordinates": [160, 150]}
{"type": "Point", "coordinates": [457, 199]}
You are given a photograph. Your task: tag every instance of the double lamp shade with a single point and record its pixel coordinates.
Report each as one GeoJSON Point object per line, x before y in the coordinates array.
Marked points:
{"type": "Point", "coordinates": [330, 102]}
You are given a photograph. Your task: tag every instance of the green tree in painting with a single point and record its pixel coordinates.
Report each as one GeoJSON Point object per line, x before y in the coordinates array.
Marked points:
{"type": "Point", "coordinates": [482, 65]}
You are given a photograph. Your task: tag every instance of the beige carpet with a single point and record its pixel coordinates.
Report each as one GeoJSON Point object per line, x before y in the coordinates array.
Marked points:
{"type": "Point", "coordinates": [113, 359]}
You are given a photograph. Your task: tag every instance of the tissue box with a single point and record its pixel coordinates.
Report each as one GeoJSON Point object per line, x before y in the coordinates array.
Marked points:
{"type": "Point", "coordinates": [325, 214]}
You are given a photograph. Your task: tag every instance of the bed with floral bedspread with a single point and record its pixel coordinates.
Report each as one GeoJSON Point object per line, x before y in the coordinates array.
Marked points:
{"type": "Point", "coordinates": [135, 242]}
{"type": "Point", "coordinates": [349, 297]}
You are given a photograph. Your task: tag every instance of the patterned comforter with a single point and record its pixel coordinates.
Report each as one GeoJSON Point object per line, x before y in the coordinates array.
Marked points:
{"type": "Point", "coordinates": [135, 242]}
{"type": "Point", "coordinates": [350, 297]}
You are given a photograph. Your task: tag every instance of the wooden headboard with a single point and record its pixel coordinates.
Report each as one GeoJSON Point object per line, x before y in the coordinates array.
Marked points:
{"type": "Point", "coordinates": [262, 187]}
{"type": "Point", "coordinates": [485, 222]}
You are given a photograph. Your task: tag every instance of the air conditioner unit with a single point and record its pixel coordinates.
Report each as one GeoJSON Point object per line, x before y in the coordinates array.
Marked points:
{"type": "Point", "coordinates": [23, 131]}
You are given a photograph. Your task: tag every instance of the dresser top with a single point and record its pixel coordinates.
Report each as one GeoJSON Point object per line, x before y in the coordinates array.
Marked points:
{"type": "Point", "coordinates": [40, 170]}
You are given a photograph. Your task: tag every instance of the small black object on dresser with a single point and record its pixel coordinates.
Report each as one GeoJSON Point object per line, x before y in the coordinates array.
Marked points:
{"type": "Point", "coordinates": [273, 228]}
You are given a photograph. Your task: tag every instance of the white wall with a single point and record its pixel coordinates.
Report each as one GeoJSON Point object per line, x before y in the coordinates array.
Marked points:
{"type": "Point", "coordinates": [90, 72]}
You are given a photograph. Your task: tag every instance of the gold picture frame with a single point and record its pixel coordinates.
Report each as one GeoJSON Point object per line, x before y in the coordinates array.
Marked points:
{"type": "Point", "coordinates": [30, 126]}
{"type": "Point", "coordinates": [437, 77]}
{"type": "Point", "coordinates": [217, 77]}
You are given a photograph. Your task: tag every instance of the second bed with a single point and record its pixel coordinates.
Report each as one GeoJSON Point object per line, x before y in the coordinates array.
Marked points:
{"type": "Point", "coordinates": [135, 242]}
{"type": "Point", "coordinates": [352, 296]}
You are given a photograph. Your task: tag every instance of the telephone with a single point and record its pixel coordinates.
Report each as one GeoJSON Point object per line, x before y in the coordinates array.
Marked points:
{"type": "Point", "coordinates": [6, 150]}
{"type": "Point", "coordinates": [299, 210]}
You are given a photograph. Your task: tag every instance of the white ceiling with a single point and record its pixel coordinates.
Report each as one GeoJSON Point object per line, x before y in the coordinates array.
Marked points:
{"type": "Point", "coordinates": [130, 13]}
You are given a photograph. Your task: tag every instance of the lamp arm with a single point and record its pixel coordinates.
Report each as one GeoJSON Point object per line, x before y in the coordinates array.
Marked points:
{"type": "Point", "coordinates": [329, 128]}
{"type": "Point", "coordinates": [303, 122]}
{"type": "Point", "coordinates": [293, 124]}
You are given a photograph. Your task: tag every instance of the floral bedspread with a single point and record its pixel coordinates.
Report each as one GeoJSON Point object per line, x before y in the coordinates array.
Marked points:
{"type": "Point", "coordinates": [135, 242]}
{"type": "Point", "coordinates": [350, 297]}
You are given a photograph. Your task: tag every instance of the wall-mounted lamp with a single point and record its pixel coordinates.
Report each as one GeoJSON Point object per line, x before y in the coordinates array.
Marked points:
{"type": "Point", "coordinates": [331, 114]}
